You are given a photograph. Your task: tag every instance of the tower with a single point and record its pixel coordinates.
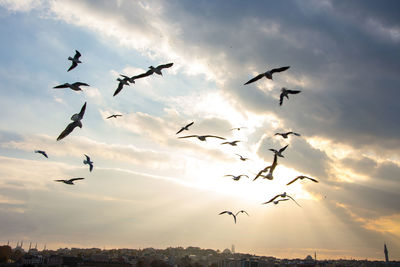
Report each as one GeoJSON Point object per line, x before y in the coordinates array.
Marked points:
{"type": "Point", "coordinates": [386, 252]}
{"type": "Point", "coordinates": [315, 255]}
{"type": "Point", "coordinates": [233, 249]}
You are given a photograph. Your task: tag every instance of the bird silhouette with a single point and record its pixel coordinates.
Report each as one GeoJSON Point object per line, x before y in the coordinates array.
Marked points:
{"type": "Point", "coordinates": [185, 128]}
{"type": "Point", "coordinates": [70, 181]}
{"type": "Point", "coordinates": [285, 93]}
{"type": "Point", "coordinates": [76, 122]}
{"type": "Point", "coordinates": [41, 152]}
{"type": "Point", "coordinates": [202, 137]}
{"type": "Point", "coordinates": [267, 74]}
{"type": "Point", "coordinates": [301, 177]}
{"type": "Point", "coordinates": [74, 86]}
{"type": "Point", "coordinates": [75, 60]}
{"type": "Point", "coordinates": [89, 162]}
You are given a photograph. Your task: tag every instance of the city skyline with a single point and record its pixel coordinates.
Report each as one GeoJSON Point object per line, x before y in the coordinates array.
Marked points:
{"type": "Point", "coordinates": [149, 188]}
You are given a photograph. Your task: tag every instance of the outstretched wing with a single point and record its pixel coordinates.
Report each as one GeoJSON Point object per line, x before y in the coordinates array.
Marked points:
{"type": "Point", "coordinates": [75, 179]}
{"type": "Point", "coordinates": [165, 66]}
{"type": "Point", "coordinates": [294, 180]}
{"type": "Point", "coordinates": [243, 175]}
{"type": "Point", "coordinates": [293, 91]}
{"type": "Point", "coordinates": [65, 85]}
{"type": "Point", "coordinates": [215, 136]}
{"type": "Point", "coordinates": [183, 128]}
{"type": "Point", "coordinates": [81, 84]}
{"type": "Point", "coordinates": [312, 179]}
{"type": "Point", "coordinates": [82, 112]}
{"type": "Point", "coordinates": [188, 136]}
{"type": "Point", "coordinates": [272, 199]}
{"type": "Point", "coordinates": [259, 76]}
{"type": "Point", "coordinates": [147, 73]}
{"type": "Point", "coordinates": [119, 88]}
{"type": "Point", "coordinates": [90, 166]}
{"type": "Point", "coordinates": [77, 54]}
{"type": "Point", "coordinates": [283, 149]}
{"type": "Point", "coordinates": [293, 200]}
{"type": "Point", "coordinates": [68, 129]}
{"type": "Point", "coordinates": [281, 99]}
{"type": "Point", "coordinates": [190, 124]}
{"type": "Point", "coordinates": [226, 211]}
{"type": "Point", "coordinates": [60, 181]}
{"type": "Point", "coordinates": [241, 211]}
{"type": "Point", "coordinates": [73, 65]}
{"type": "Point", "coordinates": [230, 175]}
{"type": "Point", "coordinates": [296, 134]}
{"type": "Point", "coordinates": [279, 69]}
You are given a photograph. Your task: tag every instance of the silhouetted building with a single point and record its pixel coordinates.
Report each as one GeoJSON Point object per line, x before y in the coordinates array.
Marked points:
{"type": "Point", "coordinates": [386, 253]}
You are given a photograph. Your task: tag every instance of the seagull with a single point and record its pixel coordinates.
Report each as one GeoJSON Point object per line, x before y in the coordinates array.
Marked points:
{"type": "Point", "coordinates": [285, 135]}
{"type": "Point", "coordinates": [237, 178]}
{"type": "Point", "coordinates": [88, 161]}
{"type": "Point", "coordinates": [283, 195]}
{"type": "Point", "coordinates": [73, 86]}
{"type": "Point", "coordinates": [121, 84]}
{"type": "Point", "coordinates": [75, 60]}
{"type": "Point", "coordinates": [185, 127]}
{"type": "Point", "coordinates": [76, 122]}
{"type": "Point", "coordinates": [301, 177]}
{"type": "Point", "coordinates": [159, 68]}
{"type": "Point", "coordinates": [279, 152]}
{"type": "Point", "coordinates": [238, 128]}
{"type": "Point", "coordinates": [202, 137]}
{"type": "Point", "coordinates": [267, 74]}
{"type": "Point", "coordinates": [230, 213]}
{"type": "Point", "coordinates": [242, 158]}
{"type": "Point", "coordinates": [285, 93]}
{"type": "Point", "coordinates": [114, 116]}
{"type": "Point", "coordinates": [129, 79]}
{"type": "Point", "coordinates": [241, 211]}
{"type": "Point", "coordinates": [42, 152]}
{"type": "Point", "coordinates": [271, 169]}
{"type": "Point", "coordinates": [278, 200]}
{"type": "Point", "coordinates": [233, 143]}
{"type": "Point", "coordinates": [70, 181]}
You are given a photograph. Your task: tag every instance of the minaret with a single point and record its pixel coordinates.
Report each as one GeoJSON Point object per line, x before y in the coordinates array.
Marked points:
{"type": "Point", "coordinates": [386, 252]}
{"type": "Point", "coordinates": [44, 249]}
{"type": "Point", "coordinates": [30, 245]}
{"type": "Point", "coordinates": [8, 242]}
{"type": "Point", "coordinates": [36, 246]}
{"type": "Point", "coordinates": [315, 255]}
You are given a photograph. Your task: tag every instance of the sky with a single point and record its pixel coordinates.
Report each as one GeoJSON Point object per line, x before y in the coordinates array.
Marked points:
{"type": "Point", "coordinates": [151, 189]}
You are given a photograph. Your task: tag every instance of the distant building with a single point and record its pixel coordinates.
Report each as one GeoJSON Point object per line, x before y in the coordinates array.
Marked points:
{"type": "Point", "coordinates": [386, 253]}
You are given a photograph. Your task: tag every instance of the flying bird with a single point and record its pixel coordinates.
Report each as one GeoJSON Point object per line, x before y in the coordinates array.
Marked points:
{"type": "Point", "coordinates": [42, 152]}
{"type": "Point", "coordinates": [267, 74]}
{"type": "Point", "coordinates": [185, 128]}
{"type": "Point", "coordinates": [74, 86]}
{"type": "Point", "coordinates": [237, 128]}
{"type": "Point", "coordinates": [285, 135]}
{"type": "Point", "coordinates": [202, 137]}
{"type": "Point", "coordinates": [283, 195]}
{"type": "Point", "coordinates": [75, 60]}
{"type": "Point", "coordinates": [279, 152]}
{"type": "Point", "coordinates": [241, 157]}
{"type": "Point", "coordinates": [233, 143]}
{"type": "Point", "coordinates": [129, 79]}
{"type": "Point", "coordinates": [285, 93]}
{"type": "Point", "coordinates": [70, 181]}
{"type": "Point", "coordinates": [278, 200]}
{"type": "Point", "coordinates": [89, 162]}
{"type": "Point", "coordinates": [121, 84]}
{"type": "Point", "coordinates": [270, 170]}
{"type": "Point", "coordinates": [229, 213]}
{"type": "Point", "coordinates": [241, 211]}
{"type": "Point", "coordinates": [237, 178]}
{"type": "Point", "coordinates": [301, 177]}
{"type": "Point", "coordinates": [76, 122]}
{"type": "Point", "coordinates": [114, 116]}
{"type": "Point", "coordinates": [159, 68]}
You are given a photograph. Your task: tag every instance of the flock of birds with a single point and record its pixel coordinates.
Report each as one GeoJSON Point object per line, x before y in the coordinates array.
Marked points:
{"type": "Point", "coordinates": [266, 173]}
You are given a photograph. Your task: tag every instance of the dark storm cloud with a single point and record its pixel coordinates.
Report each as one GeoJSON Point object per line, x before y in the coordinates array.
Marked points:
{"type": "Point", "coordinates": [353, 72]}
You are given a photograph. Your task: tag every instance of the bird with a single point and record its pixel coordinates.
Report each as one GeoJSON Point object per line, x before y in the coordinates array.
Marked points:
{"type": "Point", "coordinates": [237, 128]}
{"type": "Point", "coordinates": [88, 161]}
{"type": "Point", "coordinates": [129, 79]}
{"type": "Point", "coordinates": [159, 68]}
{"type": "Point", "coordinates": [76, 122]}
{"type": "Point", "coordinates": [185, 128]}
{"type": "Point", "coordinates": [285, 93]}
{"type": "Point", "coordinates": [237, 178]}
{"type": "Point", "coordinates": [279, 152]}
{"type": "Point", "coordinates": [285, 135]}
{"type": "Point", "coordinates": [241, 157]}
{"type": "Point", "coordinates": [241, 211]}
{"type": "Point", "coordinates": [279, 200]}
{"type": "Point", "coordinates": [229, 213]}
{"type": "Point", "coordinates": [114, 116]}
{"type": "Point", "coordinates": [233, 143]}
{"type": "Point", "coordinates": [202, 137]}
{"type": "Point", "coordinates": [121, 84]}
{"type": "Point", "coordinates": [75, 60]}
{"type": "Point", "coordinates": [283, 195]}
{"type": "Point", "coordinates": [73, 86]}
{"type": "Point", "coordinates": [70, 181]}
{"type": "Point", "coordinates": [301, 177]}
{"type": "Point", "coordinates": [267, 74]}
{"type": "Point", "coordinates": [42, 152]}
{"type": "Point", "coordinates": [271, 169]}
